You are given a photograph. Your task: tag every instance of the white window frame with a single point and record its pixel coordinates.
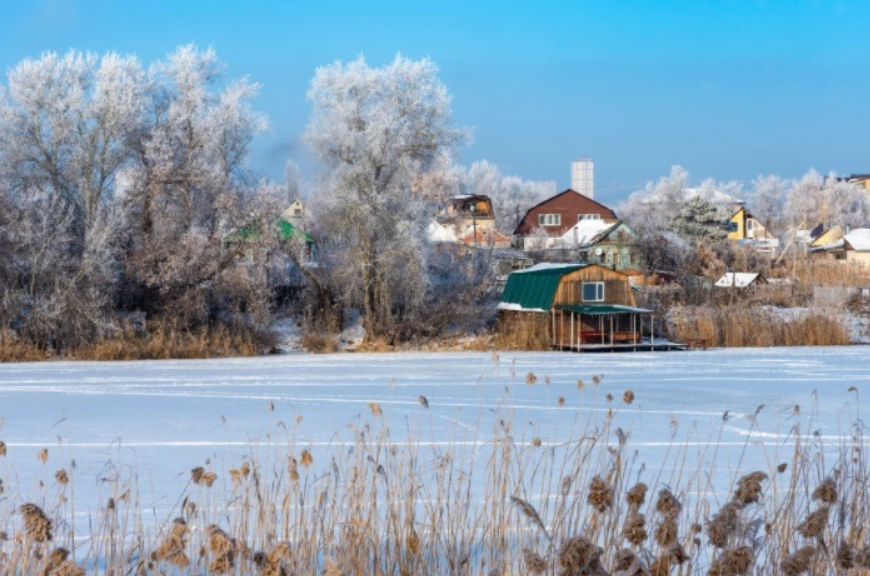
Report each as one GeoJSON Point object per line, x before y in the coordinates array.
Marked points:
{"type": "Point", "coordinates": [749, 225]}
{"type": "Point", "coordinates": [549, 219]}
{"type": "Point", "coordinates": [582, 217]}
{"type": "Point", "coordinates": [599, 291]}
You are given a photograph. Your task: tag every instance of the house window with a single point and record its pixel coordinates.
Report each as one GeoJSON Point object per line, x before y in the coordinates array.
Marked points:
{"type": "Point", "coordinates": [582, 217]}
{"type": "Point", "coordinates": [549, 219]}
{"type": "Point", "coordinates": [297, 211]}
{"type": "Point", "coordinates": [593, 291]}
{"type": "Point", "coordinates": [749, 223]}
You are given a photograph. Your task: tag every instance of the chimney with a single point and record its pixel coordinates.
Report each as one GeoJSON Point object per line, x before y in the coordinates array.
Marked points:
{"type": "Point", "coordinates": [582, 180]}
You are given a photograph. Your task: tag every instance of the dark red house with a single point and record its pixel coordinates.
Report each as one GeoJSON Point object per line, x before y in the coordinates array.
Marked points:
{"type": "Point", "coordinates": [558, 214]}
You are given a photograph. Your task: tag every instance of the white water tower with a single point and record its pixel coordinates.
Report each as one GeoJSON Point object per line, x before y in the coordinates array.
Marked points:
{"type": "Point", "coordinates": [582, 177]}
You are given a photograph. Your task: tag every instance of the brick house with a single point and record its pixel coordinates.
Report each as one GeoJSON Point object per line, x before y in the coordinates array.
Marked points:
{"type": "Point", "coordinates": [557, 215]}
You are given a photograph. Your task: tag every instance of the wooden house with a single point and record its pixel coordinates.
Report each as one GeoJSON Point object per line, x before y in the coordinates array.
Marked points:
{"type": "Point", "coordinates": [557, 215]}
{"type": "Point", "coordinates": [578, 306]}
{"type": "Point", "coordinates": [471, 219]}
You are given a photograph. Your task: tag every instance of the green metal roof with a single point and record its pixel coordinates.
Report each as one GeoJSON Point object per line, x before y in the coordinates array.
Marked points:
{"type": "Point", "coordinates": [290, 232]}
{"type": "Point", "coordinates": [254, 233]}
{"type": "Point", "coordinates": [534, 289]}
{"type": "Point", "coordinates": [602, 309]}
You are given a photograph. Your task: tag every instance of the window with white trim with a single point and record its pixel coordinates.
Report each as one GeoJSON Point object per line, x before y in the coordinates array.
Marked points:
{"type": "Point", "coordinates": [582, 217]}
{"type": "Point", "coordinates": [593, 291]}
{"type": "Point", "coordinates": [549, 219]}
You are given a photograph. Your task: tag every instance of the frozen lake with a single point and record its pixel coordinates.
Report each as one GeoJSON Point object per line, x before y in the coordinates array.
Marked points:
{"type": "Point", "coordinates": [163, 418]}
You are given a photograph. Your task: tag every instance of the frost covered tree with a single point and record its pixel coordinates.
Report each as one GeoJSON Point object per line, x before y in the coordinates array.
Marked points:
{"type": "Point", "coordinates": [815, 199]}
{"type": "Point", "coordinates": [379, 132]}
{"type": "Point", "coordinates": [120, 187]}
{"type": "Point", "coordinates": [698, 221]}
{"type": "Point", "coordinates": [767, 201]}
{"type": "Point", "coordinates": [650, 211]}
{"type": "Point", "coordinates": [189, 189]}
{"type": "Point", "coordinates": [64, 124]}
{"type": "Point", "coordinates": [511, 196]}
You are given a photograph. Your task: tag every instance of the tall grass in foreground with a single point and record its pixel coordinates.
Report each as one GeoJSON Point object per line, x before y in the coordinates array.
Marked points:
{"type": "Point", "coordinates": [493, 502]}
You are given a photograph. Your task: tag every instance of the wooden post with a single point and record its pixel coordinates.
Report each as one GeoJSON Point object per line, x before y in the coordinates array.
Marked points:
{"type": "Point", "coordinates": [572, 330]}
{"type": "Point", "coordinates": [611, 331]}
{"type": "Point", "coordinates": [553, 323]}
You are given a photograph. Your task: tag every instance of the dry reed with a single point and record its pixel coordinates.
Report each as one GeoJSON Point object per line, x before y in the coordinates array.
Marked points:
{"type": "Point", "coordinates": [377, 507]}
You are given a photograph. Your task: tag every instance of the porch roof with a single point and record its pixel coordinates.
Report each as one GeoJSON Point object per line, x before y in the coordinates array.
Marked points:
{"type": "Point", "coordinates": [601, 309]}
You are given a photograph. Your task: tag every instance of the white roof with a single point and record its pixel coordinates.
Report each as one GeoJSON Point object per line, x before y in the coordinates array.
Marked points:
{"type": "Point", "coordinates": [439, 234]}
{"type": "Point", "coordinates": [736, 279]}
{"type": "Point", "coordinates": [859, 239]}
{"type": "Point", "coordinates": [547, 266]}
{"type": "Point", "coordinates": [584, 231]}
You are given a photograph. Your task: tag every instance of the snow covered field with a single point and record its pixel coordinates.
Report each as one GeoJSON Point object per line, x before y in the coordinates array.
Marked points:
{"type": "Point", "coordinates": [163, 418]}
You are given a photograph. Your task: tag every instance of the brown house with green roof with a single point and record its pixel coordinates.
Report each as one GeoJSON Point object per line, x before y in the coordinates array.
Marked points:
{"type": "Point", "coordinates": [571, 307]}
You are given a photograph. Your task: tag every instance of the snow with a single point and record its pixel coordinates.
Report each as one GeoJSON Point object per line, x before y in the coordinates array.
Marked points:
{"type": "Point", "coordinates": [859, 239]}
{"type": "Point", "coordinates": [546, 266]}
{"type": "Point", "coordinates": [517, 307]}
{"type": "Point", "coordinates": [162, 418]}
{"type": "Point", "coordinates": [439, 234]}
{"type": "Point", "coordinates": [738, 279]}
{"type": "Point", "coordinates": [584, 231]}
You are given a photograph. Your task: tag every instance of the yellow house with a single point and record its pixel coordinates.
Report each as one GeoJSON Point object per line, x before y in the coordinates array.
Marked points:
{"type": "Point", "coordinates": [744, 226]}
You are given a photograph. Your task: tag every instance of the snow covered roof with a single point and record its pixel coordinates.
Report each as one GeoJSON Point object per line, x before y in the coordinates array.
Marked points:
{"type": "Point", "coordinates": [859, 239]}
{"type": "Point", "coordinates": [737, 279]}
{"type": "Point", "coordinates": [439, 234]}
{"type": "Point", "coordinates": [549, 266]}
{"type": "Point", "coordinates": [584, 232]}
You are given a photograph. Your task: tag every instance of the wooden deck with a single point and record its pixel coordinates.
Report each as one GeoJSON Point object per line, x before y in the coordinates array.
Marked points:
{"type": "Point", "coordinates": [622, 347]}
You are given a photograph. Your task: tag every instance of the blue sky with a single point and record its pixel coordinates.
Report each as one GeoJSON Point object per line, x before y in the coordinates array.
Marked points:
{"type": "Point", "coordinates": [727, 89]}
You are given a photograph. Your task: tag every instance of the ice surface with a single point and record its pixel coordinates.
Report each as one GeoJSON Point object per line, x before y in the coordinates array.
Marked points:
{"type": "Point", "coordinates": [162, 418]}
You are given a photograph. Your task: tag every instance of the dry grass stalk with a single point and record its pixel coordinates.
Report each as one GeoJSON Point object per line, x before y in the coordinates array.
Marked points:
{"type": "Point", "coordinates": [724, 524]}
{"type": "Point", "coordinates": [58, 565]}
{"type": "Point", "coordinates": [306, 459]}
{"type": "Point", "coordinates": [845, 556]}
{"type": "Point", "coordinates": [2, 448]}
{"type": "Point", "coordinates": [666, 533]}
{"type": "Point", "coordinates": [749, 488]}
{"type": "Point", "coordinates": [579, 556]}
{"type": "Point", "coordinates": [529, 512]}
{"type": "Point", "coordinates": [814, 525]}
{"type": "Point", "coordinates": [173, 549]}
{"type": "Point", "coordinates": [274, 563]}
{"type": "Point", "coordinates": [600, 495]}
{"type": "Point", "coordinates": [636, 496]}
{"type": "Point", "coordinates": [826, 492]}
{"type": "Point", "coordinates": [375, 409]}
{"type": "Point", "coordinates": [332, 568]}
{"type": "Point", "coordinates": [534, 563]}
{"type": "Point", "coordinates": [798, 562]}
{"type": "Point", "coordinates": [628, 397]}
{"type": "Point", "coordinates": [733, 562]}
{"type": "Point", "coordinates": [37, 525]}
{"type": "Point", "coordinates": [634, 529]}
{"type": "Point", "coordinates": [222, 549]}
{"type": "Point", "coordinates": [62, 477]}
{"type": "Point", "coordinates": [667, 504]}
{"type": "Point", "coordinates": [42, 455]}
